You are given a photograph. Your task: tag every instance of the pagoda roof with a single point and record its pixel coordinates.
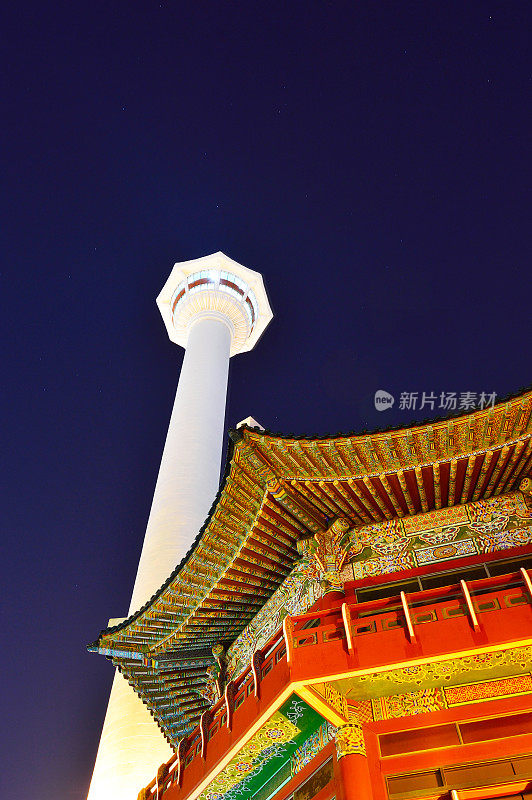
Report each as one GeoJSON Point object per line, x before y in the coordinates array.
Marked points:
{"type": "Point", "coordinates": [278, 489]}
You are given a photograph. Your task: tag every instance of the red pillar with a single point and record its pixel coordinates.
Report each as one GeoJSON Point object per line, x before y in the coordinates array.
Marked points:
{"type": "Point", "coordinates": [352, 762]}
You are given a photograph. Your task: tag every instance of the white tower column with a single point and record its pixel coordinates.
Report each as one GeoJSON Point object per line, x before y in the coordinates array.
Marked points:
{"type": "Point", "coordinates": [190, 467]}
{"type": "Point", "coordinates": [215, 308]}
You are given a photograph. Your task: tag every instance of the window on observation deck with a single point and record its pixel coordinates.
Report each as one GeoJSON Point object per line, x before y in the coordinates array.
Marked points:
{"type": "Point", "coordinates": [224, 282]}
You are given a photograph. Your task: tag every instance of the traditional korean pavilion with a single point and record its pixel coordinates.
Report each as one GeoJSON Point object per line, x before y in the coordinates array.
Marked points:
{"type": "Point", "coordinates": [353, 621]}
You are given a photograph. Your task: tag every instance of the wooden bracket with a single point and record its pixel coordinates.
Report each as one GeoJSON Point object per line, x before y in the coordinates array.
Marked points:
{"type": "Point", "coordinates": [205, 721]}
{"type": "Point", "coordinates": [229, 703]}
{"type": "Point", "coordinates": [288, 627]}
{"type": "Point", "coordinates": [256, 662]}
{"type": "Point", "coordinates": [181, 750]}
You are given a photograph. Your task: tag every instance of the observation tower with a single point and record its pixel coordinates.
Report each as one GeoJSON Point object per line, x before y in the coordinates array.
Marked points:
{"type": "Point", "coordinates": [214, 308]}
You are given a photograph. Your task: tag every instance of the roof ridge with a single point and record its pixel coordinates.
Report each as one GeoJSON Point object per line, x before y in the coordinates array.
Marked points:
{"type": "Point", "coordinates": [459, 413]}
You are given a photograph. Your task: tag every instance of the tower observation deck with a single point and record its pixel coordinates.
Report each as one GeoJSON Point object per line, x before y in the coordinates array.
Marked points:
{"type": "Point", "coordinates": [214, 308]}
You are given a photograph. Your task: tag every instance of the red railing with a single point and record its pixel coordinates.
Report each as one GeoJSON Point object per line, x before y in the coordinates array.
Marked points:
{"type": "Point", "coordinates": [346, 624]}
{"type": "Point", "coordinates": [465, 599]}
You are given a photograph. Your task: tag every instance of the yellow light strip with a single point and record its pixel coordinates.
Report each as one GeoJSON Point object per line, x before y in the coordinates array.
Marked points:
{"type": "Point", "coordinates": [319, 705]}
{"type": "Point", "coordinates": [228, 704]}
{"type": "Point", "coordinates": [256, 676]}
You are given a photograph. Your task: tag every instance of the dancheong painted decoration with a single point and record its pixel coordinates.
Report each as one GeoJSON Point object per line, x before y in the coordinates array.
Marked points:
{"type": "Point", "coordinates": [354, 620]}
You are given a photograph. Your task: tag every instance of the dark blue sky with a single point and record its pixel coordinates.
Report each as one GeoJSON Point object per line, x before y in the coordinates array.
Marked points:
{"type": "Point", "coordinates": [372, 160]}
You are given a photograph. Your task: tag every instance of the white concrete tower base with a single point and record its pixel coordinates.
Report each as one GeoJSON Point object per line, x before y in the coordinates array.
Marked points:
{"type": "Point", "coordinates": [214, 308]}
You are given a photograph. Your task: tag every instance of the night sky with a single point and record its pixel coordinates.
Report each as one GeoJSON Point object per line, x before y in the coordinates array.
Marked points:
{"type": "Point", "coordinates": [370, 159]}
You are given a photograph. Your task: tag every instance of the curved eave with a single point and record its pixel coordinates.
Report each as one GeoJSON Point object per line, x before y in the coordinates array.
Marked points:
{"type": "Point", "coordinates": [228, 550]}
{"type": "Point", "coordinates": [277, 489]}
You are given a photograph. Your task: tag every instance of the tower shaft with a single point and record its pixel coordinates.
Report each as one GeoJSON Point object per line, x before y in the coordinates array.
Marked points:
{"type": "Point", "coordinates": [131, 745]}
{"type": "Point", "coordinates": [190, 466]}
{"type": "Point", "coordinates": [214, 308]}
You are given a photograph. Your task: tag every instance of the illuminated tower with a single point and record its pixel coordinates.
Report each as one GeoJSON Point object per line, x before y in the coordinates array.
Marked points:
{"type": "Point", "coordinates": [214, 308]}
